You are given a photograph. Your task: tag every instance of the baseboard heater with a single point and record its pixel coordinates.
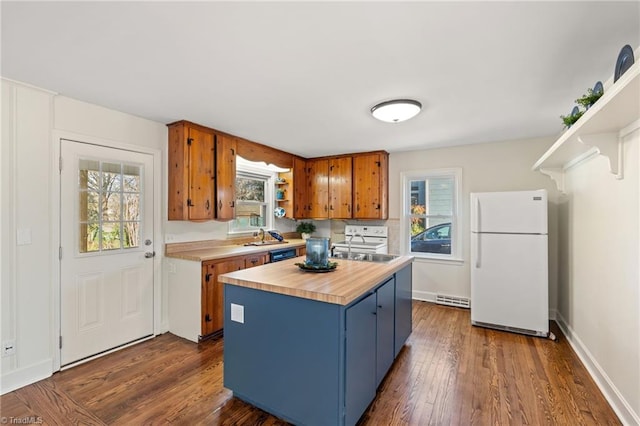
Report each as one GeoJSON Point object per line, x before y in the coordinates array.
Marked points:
{"type": "Point", "coordinates": [459, 302]}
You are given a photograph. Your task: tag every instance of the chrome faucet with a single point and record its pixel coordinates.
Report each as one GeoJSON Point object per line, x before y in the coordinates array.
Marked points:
{"type": "Point", "coordinates": [261, 233]}
{"type": "Point", "coordinates": [349, 243]}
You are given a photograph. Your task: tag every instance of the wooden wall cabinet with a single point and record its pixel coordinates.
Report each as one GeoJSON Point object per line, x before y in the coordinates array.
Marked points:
{"type": "Point", "coordinates": [191, 172]}
{"type": "Point", "coordinates": [300, 189]}
{"type": "Point", "coordinates": [371, 185]}
{"type": "Point", "coordinates": [225, 177]}
{"type": "Point", "coordinates": [202, 174]}
{"type": "Point", "coordinates": [318, 183]}
{"type": "Point", "coordinates": [329, 182]}
{"type": "Point", "coordinates": [340, 187]}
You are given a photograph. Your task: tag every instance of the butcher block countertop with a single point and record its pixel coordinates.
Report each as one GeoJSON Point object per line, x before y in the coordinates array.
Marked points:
{"type": "Point", "coordinates": [201, 252]}
{"type": "Point", "coordinates": [349, 281]}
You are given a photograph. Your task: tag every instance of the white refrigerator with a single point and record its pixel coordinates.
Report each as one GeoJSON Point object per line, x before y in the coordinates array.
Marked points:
{"type": "Point", "coordinates": [509, 261]}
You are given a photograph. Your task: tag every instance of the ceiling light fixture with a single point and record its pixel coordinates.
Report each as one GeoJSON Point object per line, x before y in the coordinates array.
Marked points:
{"type": "Point", "coordinates": [396, 110]}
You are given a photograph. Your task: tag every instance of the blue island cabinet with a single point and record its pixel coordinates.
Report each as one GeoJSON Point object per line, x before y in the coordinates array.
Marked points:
{"type": "Point", "coordinates": [310, 362]}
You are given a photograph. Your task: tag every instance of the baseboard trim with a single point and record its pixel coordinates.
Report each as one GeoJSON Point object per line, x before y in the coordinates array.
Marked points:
{"type": "Point", "coordinates": [425, 296]}
{"type": "Point", "coordinates": [620, 405]}
{"type": "Point", "coordinates": [25, 376]}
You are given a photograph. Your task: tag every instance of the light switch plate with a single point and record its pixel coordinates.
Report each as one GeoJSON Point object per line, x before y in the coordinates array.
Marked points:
{"type": "Point", "coordinates": [237, 313]}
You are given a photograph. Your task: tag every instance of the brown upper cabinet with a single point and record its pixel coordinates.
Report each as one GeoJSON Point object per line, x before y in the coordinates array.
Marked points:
{"type": "Point", "coordinates": [202, 175]}
{"type": "Point", "coordinates": [226, 177]}
{"type": "Point", "coordinates": [300, 189]}
{"type": "Point", "coordinates": [329, 187]}
{"type": "Point", "coordinates": [370, 185]}
{"type": "Point", "coordinates": [318, 183]}
{"type": "Point", "coordinates": [340, 187]}
{"type": "Point", "coordinates": [191, 172]}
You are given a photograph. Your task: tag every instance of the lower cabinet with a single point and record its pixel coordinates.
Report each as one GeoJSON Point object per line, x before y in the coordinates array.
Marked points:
{"type": "Point", "coordinates": [385, 328]}
{"type": "Point", "coordinates": [360, 383]}
{"type": "Point", "coordinates": [212, 318]}
{"type": "Point", "coordinates": [370, 348]}
{"type": "Point", "coordinates": [196, 298]}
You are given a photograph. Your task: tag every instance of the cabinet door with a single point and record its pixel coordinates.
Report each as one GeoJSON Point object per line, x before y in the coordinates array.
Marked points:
{"type": "Point", "coordinates": [213, 293]}
{"type": "Point", "coordinates": [201, 177]}
{"type": "Point", "coordinates": [370, 184]}
{"type": "Point", "coordinates": [404, 289]}
{"type": "Point", "coordinates": [360, 377]}
{"type": "Point", "coordinates": [300, 189]}
{"type": "Point", "coordinates": [191, 173]}
{"type": "Point", "coordinates": [385, 314]}
{"type": "Point", "coordinates": [340, 187]}
{"type": "Point", "coordinates": [207, 299]}
{"type": "Point", "coordinates": [225, 177]}
{"type": "Point", "coordinates": [319, 188]}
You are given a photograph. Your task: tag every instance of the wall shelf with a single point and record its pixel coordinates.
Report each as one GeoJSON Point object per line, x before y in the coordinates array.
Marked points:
{"type": "Point", "coordinates": [599, 131]}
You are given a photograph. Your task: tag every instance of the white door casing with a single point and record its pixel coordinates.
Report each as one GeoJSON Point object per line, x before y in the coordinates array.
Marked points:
{"type": "Point", "coordinates": [106, 239]}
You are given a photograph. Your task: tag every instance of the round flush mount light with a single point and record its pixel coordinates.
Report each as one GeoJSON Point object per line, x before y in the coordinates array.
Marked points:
{"type": "Point", "coordinates": [396, 110]}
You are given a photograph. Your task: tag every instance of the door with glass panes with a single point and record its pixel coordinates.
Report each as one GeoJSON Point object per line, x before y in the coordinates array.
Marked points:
{"type": "Point", "coordinates": [106, 239]}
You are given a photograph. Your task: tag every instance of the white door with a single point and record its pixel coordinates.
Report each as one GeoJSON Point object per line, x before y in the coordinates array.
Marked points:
{"type": "Point", "coordinates": [106, 234]}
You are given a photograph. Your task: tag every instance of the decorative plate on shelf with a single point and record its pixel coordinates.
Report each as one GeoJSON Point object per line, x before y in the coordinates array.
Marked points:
{"type": "Point", "coordinates": [624, 62]}
{"type": "Point", "coordinates": [575, 111]}
{"type": "Point", "coordinates": [598, 88]}
{"type": "Point", "coordinates": [279, 212]}
{"type": "Point", "coordinates": [309, 267]}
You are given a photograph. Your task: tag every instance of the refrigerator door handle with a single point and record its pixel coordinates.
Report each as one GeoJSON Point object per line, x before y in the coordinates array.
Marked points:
{"type": "Point", "coordinates": [478, 221]}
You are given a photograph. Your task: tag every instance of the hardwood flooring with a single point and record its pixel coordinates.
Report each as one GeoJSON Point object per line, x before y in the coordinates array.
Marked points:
{"type": "Point", "coordinates": [449, 373]}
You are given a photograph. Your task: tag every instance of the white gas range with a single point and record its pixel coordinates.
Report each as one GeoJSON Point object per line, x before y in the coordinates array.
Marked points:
{"type": "Point", "coordinates": [363, 239]}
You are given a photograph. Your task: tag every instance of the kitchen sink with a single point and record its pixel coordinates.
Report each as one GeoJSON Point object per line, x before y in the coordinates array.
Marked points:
{"type": "Point", "coordinates": [366, 257]}
{"type": "Point", "coordinates": [264, 243]}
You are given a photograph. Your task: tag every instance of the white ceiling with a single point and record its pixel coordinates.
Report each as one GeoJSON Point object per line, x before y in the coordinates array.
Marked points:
{"type": "Point", "coordinates": [302, 76]}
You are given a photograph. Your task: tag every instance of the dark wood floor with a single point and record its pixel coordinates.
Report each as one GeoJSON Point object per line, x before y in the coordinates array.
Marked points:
{"type": "Point", "coordinates": [449, 373]}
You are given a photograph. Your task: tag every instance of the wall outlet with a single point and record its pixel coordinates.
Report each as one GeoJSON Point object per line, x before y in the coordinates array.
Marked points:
{"type": "Point", "coordinates": [8, 348]}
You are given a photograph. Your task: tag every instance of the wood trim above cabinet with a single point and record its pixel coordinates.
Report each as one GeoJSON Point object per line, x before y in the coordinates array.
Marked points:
{"type": "Point", "coordinates": [253, 151]}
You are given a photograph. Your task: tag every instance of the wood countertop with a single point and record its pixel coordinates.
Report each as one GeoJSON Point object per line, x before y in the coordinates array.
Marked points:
{"type": "Point", "coordinates": [349, 281]}
{"type": "Point", "coordinates": [223, 251]}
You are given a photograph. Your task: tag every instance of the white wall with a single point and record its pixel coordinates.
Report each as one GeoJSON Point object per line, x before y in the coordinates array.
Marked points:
{"type": "Point", "coordinates": [26, 267]}
{"type": "Point", "coordinates": [599, 296]}
{"type": "Point", "coordinates": [499, 166]}
{"type": "Point", "coordinates": [33, 120]}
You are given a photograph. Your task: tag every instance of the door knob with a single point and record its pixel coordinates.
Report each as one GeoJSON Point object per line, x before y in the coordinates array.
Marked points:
{"type": "Point", "coordinates": [149, 254]}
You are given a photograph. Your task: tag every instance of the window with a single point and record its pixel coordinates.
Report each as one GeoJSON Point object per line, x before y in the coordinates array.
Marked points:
{"type": "Point", "coordinates": [109, 207]}
{"type": "Point", "coordinates": [253, 201]}
{"type": "Point", "coordinates": [430, 213]}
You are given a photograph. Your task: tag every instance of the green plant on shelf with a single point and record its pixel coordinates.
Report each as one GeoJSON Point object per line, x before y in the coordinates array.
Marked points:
{"type": "Point", "coordinates": [589, 98]}
{"type": "Point", "coordinates": [570, 119]}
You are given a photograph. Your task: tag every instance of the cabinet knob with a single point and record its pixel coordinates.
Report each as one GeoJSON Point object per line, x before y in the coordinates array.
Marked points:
{"type": "Point", "coordinates": [207, 205]}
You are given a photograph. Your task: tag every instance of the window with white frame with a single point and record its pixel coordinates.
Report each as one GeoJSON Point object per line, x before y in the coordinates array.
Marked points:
{"type": "Point", "coordinates": [430, 213]}
{"type": "Point", "coordinates": [254, 201]}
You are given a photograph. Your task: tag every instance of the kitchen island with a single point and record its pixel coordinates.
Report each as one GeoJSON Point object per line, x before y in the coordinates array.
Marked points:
{"type": "Point", "coordinates": [312, 348]}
